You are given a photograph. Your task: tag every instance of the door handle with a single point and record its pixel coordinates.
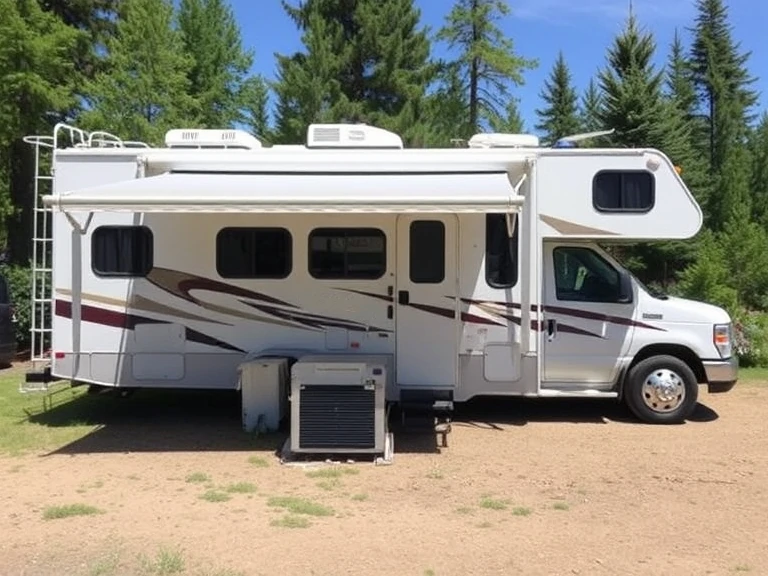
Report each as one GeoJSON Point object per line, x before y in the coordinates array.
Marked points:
{"type": "Point", "coordinates": [390, 311]}
{"type": "Point", "coordinates": [403, 297]}
{"type": "Point", "coordinates": [551, 329]}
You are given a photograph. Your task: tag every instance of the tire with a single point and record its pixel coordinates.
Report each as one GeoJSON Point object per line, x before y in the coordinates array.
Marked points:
{"type": "Point", "coordinates": [661, 404]}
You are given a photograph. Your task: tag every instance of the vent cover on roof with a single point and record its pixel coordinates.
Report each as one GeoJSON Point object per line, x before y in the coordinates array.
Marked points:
{"type": "Point", "coordinates": [206, 138]}
{"type": "Point", "coordinates": [501, 140]}
{"type": "Point", "coordinates": [351, 136]}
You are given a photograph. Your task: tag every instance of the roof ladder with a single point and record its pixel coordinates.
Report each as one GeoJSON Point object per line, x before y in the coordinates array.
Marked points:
{"type": "Point", "coordinates": [41, 305]}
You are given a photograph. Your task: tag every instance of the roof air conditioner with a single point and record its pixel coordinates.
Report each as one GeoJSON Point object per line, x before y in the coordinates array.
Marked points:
{"type": "Point", "coordinates": [206, 138]}
{"type": "Point", "coordinates": [502, 140]}
{"type": "Point", "coordinates": [351, 136]}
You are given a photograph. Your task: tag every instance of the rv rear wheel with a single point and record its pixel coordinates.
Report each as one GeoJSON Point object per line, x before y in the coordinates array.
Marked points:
{"type": "Point", "coordinates": [661, 390]}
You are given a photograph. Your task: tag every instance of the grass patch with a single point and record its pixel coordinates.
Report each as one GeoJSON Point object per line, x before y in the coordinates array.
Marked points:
{"type": "Point", "coordinates": [241, 488]}
{"type": "Point", "coordinates": [521, 511]}
{"type": "Point", "coordinates": [197, 478]}
{"type": "Point", "coordinates": [330, 484]}
{"type": "Point", "coordinates": [753, 376]}
{"type": "Point", "coordinates": [435, 475]}
{"type": "Point", "coordinates": [215, 496]}
{"type": "Point", "coordinates": [107, 565]}
{"type": "Point", "coordinates": [484, 525]}
{"type": "Point", "coordinates": [742, 568]}
{"type": "Point", "coordinates": [258, 461]}
{"type": "Point", "coordinates": [25, 426]}
{"type": "Point", "coordinates": [334, 472]}
{"type": "Point", "coordinates": [429, 572]}
{"type": "Point", "coordinates": [464, 510]}
{"type": "Point", "coordinates": [297, 505]}
{"type": "Point", "coordinates": [68, 510]}
{"type": "Point", "coordinates": [292, 521]}
{"type": "Point", "coordinates": [360, 497]}
{"type": "Point", "coordinates": [561, 506]}
{"type": "Point", "coordinates": [166, 561]}
{"type": "Point", "coordinates": [493, 503]}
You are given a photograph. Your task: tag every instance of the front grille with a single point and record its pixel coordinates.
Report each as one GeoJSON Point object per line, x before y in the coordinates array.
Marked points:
{"type": "Point", "coordinates": [337, 417]}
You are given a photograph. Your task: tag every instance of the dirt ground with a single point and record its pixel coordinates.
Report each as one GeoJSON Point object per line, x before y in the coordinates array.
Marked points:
{"type": "Point", "coordinates": [524, 487]}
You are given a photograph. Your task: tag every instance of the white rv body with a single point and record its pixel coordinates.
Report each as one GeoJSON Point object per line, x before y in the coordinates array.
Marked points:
{"type": "Point", "coordinates": [383, 251]}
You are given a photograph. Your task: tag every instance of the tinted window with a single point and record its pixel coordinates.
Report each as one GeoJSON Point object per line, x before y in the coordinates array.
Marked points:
{"type": "Point", "coordinates": [500, 258]}
{"type": "Point", "coordinates": [614, 191]}
{"type": "Point", "coordinates": [347, 253]}
{"type": "Point", "coordinates": [253, 253]}
{"type": "Point", "coordinates": [582, 275]}
{"type": "Point", "coordinates": [121, 251]}
{"type": "Point", "coordinates": [427, 252]}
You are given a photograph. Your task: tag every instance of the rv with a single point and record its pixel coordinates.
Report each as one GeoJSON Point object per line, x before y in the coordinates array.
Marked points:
{"type": "Point", "coordinates": [437, 274]}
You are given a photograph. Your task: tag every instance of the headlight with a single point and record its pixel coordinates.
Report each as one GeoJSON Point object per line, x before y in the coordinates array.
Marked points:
{"type": "Point", "coordinates": [722, 339]}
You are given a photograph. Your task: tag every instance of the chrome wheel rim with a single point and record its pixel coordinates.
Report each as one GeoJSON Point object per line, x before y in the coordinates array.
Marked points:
{"type": "Point", "coordinates": [663, 391]}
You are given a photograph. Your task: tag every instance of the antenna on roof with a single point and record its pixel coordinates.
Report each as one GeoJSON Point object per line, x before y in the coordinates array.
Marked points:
{"type": "Point", "coordinates": [570, 141]}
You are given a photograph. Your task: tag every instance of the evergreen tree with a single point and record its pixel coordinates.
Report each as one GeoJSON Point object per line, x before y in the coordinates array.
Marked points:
{"type": "Point", "coordinates": [364, 60]}
{"type": "Point", "coordinates": [212, 38]}
{"type": "Point", "coordinates": [145, 91]}
{"type": "Point", "coordinates": [591, 104]}
{"type": "Point", "coordinates": [758, 143]}
{"type": "Point", "coordinates": [679, 82]}
{"type": "Point", "coordinates": [37, 80]}
{"type": "Point", "coordinates": [722, 82]}
{"type": "Point", "coordinates": [634, 105]}
{"type": "Point", "coordinates": [487, 58]}
{"type": "Point", "coordinates": [512, 121]}
{"type": "Point", "coordinates": [561, 115]}
{"type": "Point", "coordinates": [254, 113]}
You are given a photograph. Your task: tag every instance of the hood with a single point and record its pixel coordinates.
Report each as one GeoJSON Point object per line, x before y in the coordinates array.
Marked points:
{"type": "Point", "coordinates": [676, 309]}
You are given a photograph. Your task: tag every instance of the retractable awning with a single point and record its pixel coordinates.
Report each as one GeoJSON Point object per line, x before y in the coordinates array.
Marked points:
{"type": "Point", "coordinates": [458, 192]}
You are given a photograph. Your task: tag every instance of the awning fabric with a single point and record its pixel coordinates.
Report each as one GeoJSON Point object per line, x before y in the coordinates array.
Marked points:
{"type": "Point", "coordinates": [478, 192]}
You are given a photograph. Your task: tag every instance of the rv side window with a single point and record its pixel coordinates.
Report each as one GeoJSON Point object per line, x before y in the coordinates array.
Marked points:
{"type": "Point", "coordinates": [254, 253]}
{"type": "Point", "coordinates": [629, 191]}
{"type": "Point", "coordinates": [121, 251]}
{"type": "Point", "coordinates": [582, 275]}
{"type": "Point", "coordinates": [427, 252]}
{"type": "Point", "coordinates": [500, 258]}
{"type": "Point", "coordinates": [347, 253]}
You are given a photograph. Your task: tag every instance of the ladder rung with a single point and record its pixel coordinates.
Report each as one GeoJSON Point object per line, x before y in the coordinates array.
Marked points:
{"type": "Point", "coordinates": [43, 270]}
{"type": "Point", "coordinates": [41, 177]}
{"type": "Point", "coordinates": [43, 300]}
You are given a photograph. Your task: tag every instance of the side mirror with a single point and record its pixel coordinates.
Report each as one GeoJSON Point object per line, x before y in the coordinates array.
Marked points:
{"type": "Point", "coordinates": [625, 288]}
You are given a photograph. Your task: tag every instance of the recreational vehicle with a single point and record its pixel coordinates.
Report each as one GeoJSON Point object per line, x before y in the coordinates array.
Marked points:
{"type": "Point", "coordinates": [383, 275]}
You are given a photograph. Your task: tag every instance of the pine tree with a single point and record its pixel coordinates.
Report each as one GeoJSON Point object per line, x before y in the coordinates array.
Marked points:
{"type": "Point", "coordinates": [37, 80]}
{"type": "Point", "coordinates": [589, 110]}
{"type": "Point", "coordinates": [487, 58]}
{"type": "Point", "coordinates": [722, 82]}
{"type": "Point", "coordinates": [561, 115]}
{"type": "Point", "coordinates": [758, 143]}
{"type": "Point", "coordinates": [254, 112]}
{"type": "Point", "coordinates": [512, 121]}
{"type": "Point", "coordinates": [220, 63]}
{"type": "Point", "coordinates": [145, 91]}
{"type": "Point", "coordinates": [634, 105]}
{"type": "Point", "coordinates": [365, 60]}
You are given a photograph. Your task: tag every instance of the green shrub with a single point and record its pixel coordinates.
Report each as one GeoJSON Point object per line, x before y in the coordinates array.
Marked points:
{"type": "Point", "coordinates": [19, 279]}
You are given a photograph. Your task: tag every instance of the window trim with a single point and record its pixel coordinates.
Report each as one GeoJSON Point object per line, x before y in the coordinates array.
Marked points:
{"type": "Point", "coordinates": [515, 256]}
{"type": "Point", "coordinates": [622, 173]}
{"type": "Point", "coordinates": [410, 251]}
{"type": "Point", "coordinates": [347, 230]}
{"type": "Point", "coordinates": [108, 227]}
{"type": "Point", "coordinates": [289, 257]}
{"type": "Point", "coordinates": [600, 257]}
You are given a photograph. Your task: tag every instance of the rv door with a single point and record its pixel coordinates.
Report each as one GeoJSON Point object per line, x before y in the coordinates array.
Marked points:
{"type": "Point", "coordinates": [587, 321]}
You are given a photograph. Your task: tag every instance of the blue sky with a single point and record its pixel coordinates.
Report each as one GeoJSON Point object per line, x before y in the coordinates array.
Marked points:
{"type": "Point", "coordinates": [540, 28]}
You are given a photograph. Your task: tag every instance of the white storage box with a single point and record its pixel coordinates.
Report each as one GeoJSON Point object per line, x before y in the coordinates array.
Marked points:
{"type": "Point", "coordinates": [264, 386]}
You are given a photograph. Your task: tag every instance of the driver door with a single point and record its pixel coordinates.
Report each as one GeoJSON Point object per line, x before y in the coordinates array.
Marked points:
{"type": "Point", "coordinates": [586, 328]}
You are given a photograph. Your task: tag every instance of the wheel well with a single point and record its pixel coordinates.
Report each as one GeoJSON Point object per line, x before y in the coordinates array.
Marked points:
{"type": "Point", "coordinates": [682, 352]}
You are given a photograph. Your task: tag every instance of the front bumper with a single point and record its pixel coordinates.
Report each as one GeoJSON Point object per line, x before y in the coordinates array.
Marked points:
{"type": "Point", "coordinates": [721, 374]}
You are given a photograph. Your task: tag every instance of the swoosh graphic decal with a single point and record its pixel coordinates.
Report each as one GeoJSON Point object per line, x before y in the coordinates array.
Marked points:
{"type": "Point", "coordinates": [384, 297]}
{"type": "Point", "coordinates": [104, 317]}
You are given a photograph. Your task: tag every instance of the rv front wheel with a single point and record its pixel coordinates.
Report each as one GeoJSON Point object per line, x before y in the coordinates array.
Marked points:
{"type": "Point", "coordinates": [661, 390]}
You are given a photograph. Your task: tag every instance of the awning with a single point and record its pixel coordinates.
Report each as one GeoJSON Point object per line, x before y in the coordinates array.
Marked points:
{"type": "Point", "coordinates": [477, 192]}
